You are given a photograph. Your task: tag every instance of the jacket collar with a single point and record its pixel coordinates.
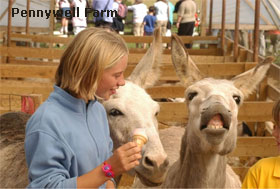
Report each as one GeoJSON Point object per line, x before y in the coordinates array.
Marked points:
{"type": "Point", "coordinates": [68, 101]}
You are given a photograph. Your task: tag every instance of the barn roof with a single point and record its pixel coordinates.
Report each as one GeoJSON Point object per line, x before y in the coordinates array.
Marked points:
{"type": "Point", "coordinates": [269, 14]}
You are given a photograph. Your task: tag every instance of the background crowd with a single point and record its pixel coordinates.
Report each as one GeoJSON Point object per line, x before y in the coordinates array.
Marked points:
{"type": "Point", "coordinates": [160, 14]}
{"type": "Point", "coordinates": [145, 19]}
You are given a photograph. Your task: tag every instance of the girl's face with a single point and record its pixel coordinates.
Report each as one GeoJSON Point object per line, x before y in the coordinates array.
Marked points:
{"type": "Point", "coordinates": [111, 79]}
{"type": "Point", "coordinates": [276, 133]}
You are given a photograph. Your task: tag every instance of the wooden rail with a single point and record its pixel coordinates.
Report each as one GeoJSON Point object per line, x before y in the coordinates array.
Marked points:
{"type": "Point", "coordinates": [133, 58]}
{"type": "Point", "coordinates": [127, 39]}
{"type": "Point", "coordinates": [180, 115]}
{"type": "Point", "coordinates": [206, 52]}
{"type": "Point", "coordinates": [167, 70]}
{"type": "Point", "coordinates": [244, 54]}
{"type": "Point", "coordinates": [274, 72]}
{"type": "Point", "coordinates": [273, 92]}
{"type": "Point", "coordinates": [273, 88]}
{"type": "Point", "coordinates": [31, 52]}
{"type": "Point", "coordinates": [255, 146]}
{"type": "Point", "coordinates": [168, 116]}
{"type": "Point", "coordinates": [212, 41]}
{"type": "Point", "coordinates": [13, 102]}
{"type": "Point", "coordinates": [26, 87]}
{"type": "Point", "coordinates": [247, 112]}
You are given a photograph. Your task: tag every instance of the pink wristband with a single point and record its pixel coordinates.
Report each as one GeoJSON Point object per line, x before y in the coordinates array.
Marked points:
{"type": "Point", "coordinates": [107, 169]}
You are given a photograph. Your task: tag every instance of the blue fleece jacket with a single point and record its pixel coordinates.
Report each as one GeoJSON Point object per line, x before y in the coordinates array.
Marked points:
{"type": "Point", "coordinates": [65, 138]}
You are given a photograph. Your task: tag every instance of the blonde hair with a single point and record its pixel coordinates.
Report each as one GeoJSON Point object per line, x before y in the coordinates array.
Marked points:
{"type": "Point", "coordinates": [276, 112]}
{"type": "Point", "coordinates": [82, 64]}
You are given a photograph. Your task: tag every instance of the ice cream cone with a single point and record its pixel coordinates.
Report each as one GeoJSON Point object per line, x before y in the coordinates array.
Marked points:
{"type": "Point", "coordinates": [140, 137]}
{"type": "Point", "coordinates": [140, 140]}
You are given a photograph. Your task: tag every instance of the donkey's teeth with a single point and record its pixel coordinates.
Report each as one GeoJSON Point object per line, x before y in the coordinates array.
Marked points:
{"type": "Point", "coordinates": [215, 126]}
{"type": "Point", "coordinates": [215, 122]}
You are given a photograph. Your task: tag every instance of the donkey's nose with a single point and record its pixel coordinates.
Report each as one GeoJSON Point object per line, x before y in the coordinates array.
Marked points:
{"type": "Point", "coordinates": [148, 162]}
{"type": "Point", "coordinates": [152, 162]}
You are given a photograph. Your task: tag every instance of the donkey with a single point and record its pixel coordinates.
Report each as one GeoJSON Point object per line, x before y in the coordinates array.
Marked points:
{"type": "Point", "coordinates": [211, 132]}
{"type": "Point", "coordinates": [13, 168]}
{"type": "Point", "coordinates": [131, 107]}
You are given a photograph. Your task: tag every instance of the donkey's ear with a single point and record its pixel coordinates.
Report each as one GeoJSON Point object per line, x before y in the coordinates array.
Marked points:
{"type": "Point", "coordinates": [147, 71]}
{"type": "Point", "coordinates": [185, 67]}
{"type": "Point", "coordinates": [248, 81]}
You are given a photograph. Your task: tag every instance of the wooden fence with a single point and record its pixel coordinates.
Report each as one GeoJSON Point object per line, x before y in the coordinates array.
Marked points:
{"type": "Point", "coordinates": [27, 63]}
{"type": "Point", "coordinates": [14, 102]}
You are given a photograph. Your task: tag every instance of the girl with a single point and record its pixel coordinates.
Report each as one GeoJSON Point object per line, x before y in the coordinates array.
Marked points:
{"type": "Point", "coordinates": [67, 143]}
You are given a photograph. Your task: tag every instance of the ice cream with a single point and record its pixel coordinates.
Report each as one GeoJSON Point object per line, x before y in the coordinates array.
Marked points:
{"type": "Point", "coordinates": [140, 137]}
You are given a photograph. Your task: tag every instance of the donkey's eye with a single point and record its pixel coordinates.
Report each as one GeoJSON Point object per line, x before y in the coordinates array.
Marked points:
{"type": "Point", "coordinates": [156, 114]}
{"type": "Point", "coordinates": [191, 95]}
{"type": "Point", "coordinates": [115, 112]}
{"type": "Point", "coordinates": [237, 99]}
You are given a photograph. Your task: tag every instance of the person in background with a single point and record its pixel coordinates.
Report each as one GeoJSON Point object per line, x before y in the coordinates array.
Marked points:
{"type": "Point", "coordinates": [196, 29]}
{"type": "Point", "coordinates": [64, 5]}
{"type": "Point", "coordinates": [171, 10]}
{"type": "Point", "coordinates": [118, 21]}
{"type": "Point", "coordinates": [177, 5]}
{"type": "Point", "coordinates": [274, 36]}
{"type": "Point", "coordinates": [266, 172]}
{"type": "Point", "coordinates": [262, 44]}
{"type": "Point", "coordinates": [104, 21]}
{"type": "Point", "coordinates": [186, 19]}
{"type": "Point", "coordinates": [67, 140]}
{"type": "Point", "coordinates": [79, 22]}
{"type": "Point", "coordinates": [139, 12]}
{"type": "Point", "coordinates": [170, 22]}
{"type": "Point", "coordinates": [149, 23]}
{"type": "Point", "coordinates": [116, 4]}
{"type": "Point", "coordinates": [162, 13]}
{"type": "Point", "coordinates": [244, 38]}
{"type": "Point", "coordinates": [168, 34]}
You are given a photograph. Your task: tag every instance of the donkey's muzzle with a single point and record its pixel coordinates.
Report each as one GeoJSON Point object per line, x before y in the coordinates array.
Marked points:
{"type": "Point", "coordinates": [213, 111]}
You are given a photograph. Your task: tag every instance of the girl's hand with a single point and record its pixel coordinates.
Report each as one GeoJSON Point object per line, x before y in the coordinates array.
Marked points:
{"type": "Point", "coordinates": [125, 158]}
{"type": "Point", "coordinates": [178, 25]}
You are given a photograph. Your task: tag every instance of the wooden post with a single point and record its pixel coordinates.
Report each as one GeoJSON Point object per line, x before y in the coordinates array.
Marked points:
{"type": "Point", "coordinates": [9, 26]}
{"type": "Point", "coordinates": [37, 99]}
{"type": "Point", "coordinates": [236, 31]}
{"type": "Point", "coordinates": [210, 18]}
{"type": "Point", "coordinates": [9, 22]}
{"type": "Point", "coordinates": [27, 18]}
{"type": "Point", "coordinates": [223, 27]}
{"type": "Point", "coordinates": [203, 17]}
{"type": "Point", "coordinates": [51, 23]}
{"type": "Point", "coordinates": [52, 7]}
{"type": "Point", "coordinates": [256, 31]}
